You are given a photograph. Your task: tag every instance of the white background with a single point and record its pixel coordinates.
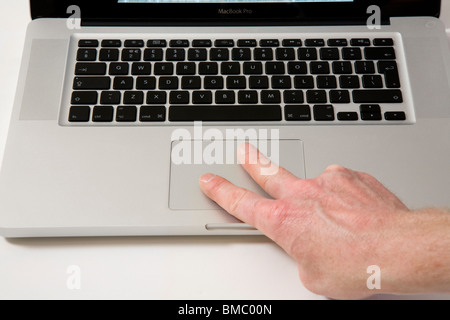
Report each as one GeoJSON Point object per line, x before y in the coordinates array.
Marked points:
{"type": "Point", "coordinates": [135, 268]}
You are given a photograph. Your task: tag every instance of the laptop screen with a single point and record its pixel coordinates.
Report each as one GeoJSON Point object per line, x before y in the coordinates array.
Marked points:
{"type": "Point", "coordinates": [227, 1]}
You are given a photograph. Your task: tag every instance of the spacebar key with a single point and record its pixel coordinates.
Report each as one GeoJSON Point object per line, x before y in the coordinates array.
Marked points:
{"type": "Point", "coordinates": [225, 113]}
{"type": "Point", "coordinates": [377, 96]}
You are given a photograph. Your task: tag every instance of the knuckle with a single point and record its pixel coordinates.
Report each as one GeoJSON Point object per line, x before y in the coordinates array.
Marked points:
{"type": "Point", "coordinates": [237, 197]}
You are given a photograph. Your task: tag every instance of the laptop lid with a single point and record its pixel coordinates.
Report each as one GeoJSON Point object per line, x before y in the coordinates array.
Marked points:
{"type": "Point", "coordinates": [231, 12]}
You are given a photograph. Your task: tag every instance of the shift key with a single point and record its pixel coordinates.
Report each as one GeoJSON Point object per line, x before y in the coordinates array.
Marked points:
{"type": "Point", "coordinates": [91, 83]}
{"type": "Point", "coordinates": [377, 96]}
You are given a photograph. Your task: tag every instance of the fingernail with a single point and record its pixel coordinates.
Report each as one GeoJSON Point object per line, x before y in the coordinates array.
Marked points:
{"type": "Point", "coordinates": [207, 177]}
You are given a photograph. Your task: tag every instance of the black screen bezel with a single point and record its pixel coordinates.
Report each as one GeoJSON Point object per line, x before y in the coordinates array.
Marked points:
{"type": "Point", "coordinates": [110, 12]}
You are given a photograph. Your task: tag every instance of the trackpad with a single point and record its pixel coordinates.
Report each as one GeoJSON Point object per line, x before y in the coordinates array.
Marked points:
{"type": "Point", "coordinates": [190, 159]}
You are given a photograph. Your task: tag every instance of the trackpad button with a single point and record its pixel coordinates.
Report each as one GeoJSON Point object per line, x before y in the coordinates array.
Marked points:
{"type": "Point", "coordinates": [190, 159]}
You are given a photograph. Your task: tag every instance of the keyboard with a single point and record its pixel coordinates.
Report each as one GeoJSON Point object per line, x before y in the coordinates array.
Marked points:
{"type": "Point", "coordinates": [327, 80]}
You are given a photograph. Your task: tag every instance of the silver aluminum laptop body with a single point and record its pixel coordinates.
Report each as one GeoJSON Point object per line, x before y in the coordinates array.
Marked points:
{"type": "Point", "coordinates": [65, 179]}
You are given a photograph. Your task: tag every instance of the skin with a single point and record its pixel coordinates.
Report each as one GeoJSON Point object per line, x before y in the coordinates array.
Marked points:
{"type": "Point", "coordinates": [337, 225]}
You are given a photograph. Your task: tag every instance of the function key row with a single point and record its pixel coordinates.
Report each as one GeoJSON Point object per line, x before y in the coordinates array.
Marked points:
{"type": "Point", "coordinates": [221, 43]}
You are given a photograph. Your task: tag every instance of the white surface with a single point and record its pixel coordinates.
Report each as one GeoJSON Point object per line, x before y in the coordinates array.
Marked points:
{"type": "Point", "coordinates": [134, 268]}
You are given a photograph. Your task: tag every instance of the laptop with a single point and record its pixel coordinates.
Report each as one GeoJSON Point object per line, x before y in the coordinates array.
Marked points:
{"type": "Point", "coordinates": [122, 105]}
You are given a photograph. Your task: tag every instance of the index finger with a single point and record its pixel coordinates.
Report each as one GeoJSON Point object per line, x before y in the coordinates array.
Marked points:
{"type": "Point", "coordinates": [264, 214]}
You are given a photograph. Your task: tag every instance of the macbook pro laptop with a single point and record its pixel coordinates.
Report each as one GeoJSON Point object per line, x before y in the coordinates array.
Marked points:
{"type": "Point", "coordinates": [122, 105]}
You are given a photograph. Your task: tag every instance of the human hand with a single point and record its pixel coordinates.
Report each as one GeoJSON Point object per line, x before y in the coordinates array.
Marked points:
{"type": "Point", "coordinates": [335, 226]}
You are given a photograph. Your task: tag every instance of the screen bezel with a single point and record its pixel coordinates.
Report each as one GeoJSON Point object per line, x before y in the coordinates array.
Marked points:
{"type": "Point", "coordinates": [110, 12]}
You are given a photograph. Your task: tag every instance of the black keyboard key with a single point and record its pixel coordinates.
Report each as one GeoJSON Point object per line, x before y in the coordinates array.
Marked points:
{"type": "Point", "coordinates": [163, 68]}
{"type": "Point", "coordinates": [395, 116]}
{"type": "Point", "coordinates": [133, 97]}
{"type": "Point", "coordinates": [285, 54]}
{"type": "Point", "coordinates": [247, 43]}
{"type": "Point", "coordinates": [224, 43]}
{"type": "Point", "coordinates": [126, 114]}
{"type": "Point", "coordinates": [201, 43]}
{"type": "Point", "coordinates": [225, 113]}
{"type": "Point", "coordinates": [156, 97]}
{"type": "Point", "coordinates": [339, 96]}
{"type": "Point", "coordinates": [390, 71]}
{"type": "Point", "coordinates": [293, 96]}
{"type": "Point", "coordinates": [91, 69]}
{"type": "Point", "coordinates": [157, 43]}
{"type": "Point", "coordinates": [270, 96]}
{"type": "Point", "coordinates": [377, 96]}
{"type": "Point", "coordinates": [269, 43]}
{"type": "Point", "coordinates": [131, 55]}
{"type": "Point", "coordinates": [208, 68]}
{"type": "Point", "coordinates": [225, 97]}
{"type": "Point", "coordinates": [197, 54]}
{"type": "Point", "coordinates": [152, 114]}
{"type": "Point", "coordinates": [145, 83]}
{"type": "Point", "coordinates": [351, 54]}
{"type": "Point", "coordinates": [370, 112]}
{"type": "Point", "coordinates": [168, 83]}
{"type": "Point", "coordinates": [109, 55]}
{"type": "Point", "coordinates": [381, 42]}
{"type": "Point", "coordinates": [111, 43]}
{"type": "Point", "coordinates": [360, 42]}
{"type": "Point", "coordinates": [88, 43]}
{"type": "Point", "coordinates": [241, 54]}
{"type": "Point", "coordinates": [379, 53]}
{"type": "Point", "coordinates": [292, 43]}
{"type": "Point", "coordinates": [247, 97]}
{"type": "Point", "coordinates": [110, 97]}
{"type": "Point", "coordinates": [123, 83]}
{"type": "Point", "coordinates": [326, 82]}
{"type": "Point", "coordinates": [347, 116]}
{"type": "Point", "coordinates": [84, 97]}
{"type": "Point", "coordinates": [307, 54]}
{"type": "Point", "coordinates": [275, 68]}
{"type": "Point", "coordinates": [337, 42]}
{"type": "Point", "coordinates": [297, 113]}
{"type": "Point", "coordinates": [176, 54]}
{"type": "Point", "coordinates": [103, 114]}
{"type": "Point", "coordinates": [253, 68]}
{"type": "Point", "coordinates": [372, 81]}
{"type": "Point", "coordinates": [364, 67]}
{"type": "Point", "coordinates": [263, 54]}
{"type": "Point", "coordinates": [179, 97]}
{"type": "Point", "coordinates": [191, 82]}
{"type": "Point", "coordinates": [134, 43]}
{"type": "Point", "coordinates": [297, 68]}
{"type": "Point", "coordinates": [219, 54]}
{"type": "Point", "coordinates": [79, 114]}
{"type": "Point", "coordinates": [349, 82]}
{"type": "Point", "coordinates": [230, 68]}
{"type": "Point", "coordinates": [281, 82]}
{"type": "Point", "coordinates": [303, 82]}
{"type": "Point", "coordinates": [186, 68]}
{"type": "Point", "coordinates": [87, 55]}
{"type": "Point", "coordinates": [316, 96]}
{"type": "Point", "coordinates": [258, 82]}
{"type": "Point", "coordinates": [153, 55]}
{"type": "Point", "coordinates": [202, 97]}
{"type": "Point", "coordinates": [213, 82]}
{"type": "Point", "coordinates": [314, 42]}
{"type": "Point", "coordinates": [91, 83]}
{"type": "Point", "coordinates": [322, 67]}
{"type": "Point", "coordinates": [141, 69]}
{"type": "Point", "coordinates": [179, 43]}
{"type": "Point", "coordinates": [323, 113]}
{"type": "Point", "coordinates": [342, 67]}
{"type": "Point", "coordinates": [119, 68]}
{"type": "Point", "coordinates": [329, 54]}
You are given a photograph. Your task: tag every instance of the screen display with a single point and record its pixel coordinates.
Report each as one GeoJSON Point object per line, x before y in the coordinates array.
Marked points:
{"type": "Point", "coordinates": [227, 1]}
